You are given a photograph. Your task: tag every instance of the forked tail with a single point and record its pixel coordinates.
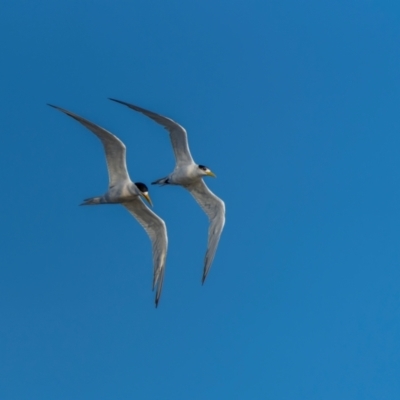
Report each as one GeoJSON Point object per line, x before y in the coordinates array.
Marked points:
{"type": "Point", "coordinates": [162, 181]}
{"type": "Point", "coordinates": [91, 202]}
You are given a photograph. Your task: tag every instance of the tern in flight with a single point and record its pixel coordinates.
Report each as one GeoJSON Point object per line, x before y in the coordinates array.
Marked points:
{"type": "Point", "coordinates": [190, 175]}
{"type": "Point", "coordinates": [122, 190]}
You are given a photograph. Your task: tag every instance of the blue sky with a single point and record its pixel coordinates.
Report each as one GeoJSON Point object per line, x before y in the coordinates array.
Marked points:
{"type": "Point", "coordinates": [295, 106]}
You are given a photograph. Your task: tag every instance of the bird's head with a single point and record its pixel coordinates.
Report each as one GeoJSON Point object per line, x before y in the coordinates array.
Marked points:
{"type": "Point", "coordinates": [144, 191]}
{"type": "Point", "coordinates": [205, 171]}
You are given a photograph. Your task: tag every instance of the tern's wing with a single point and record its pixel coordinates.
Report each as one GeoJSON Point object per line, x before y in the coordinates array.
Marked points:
{"type": "Point", "coordinates": [214, 207]}
{"type": "Point", "coordinates": [115, 150]}
{"type": "Point", "coordinates": [156, 229]}
{"type": "Point", "coordinates": [177, 133]}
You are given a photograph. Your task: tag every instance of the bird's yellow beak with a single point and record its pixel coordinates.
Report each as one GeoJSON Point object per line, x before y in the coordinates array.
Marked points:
{"type": "Point", "coordinates": [210, 173]}
{"type": "Point", "coordinates": [147, 197]}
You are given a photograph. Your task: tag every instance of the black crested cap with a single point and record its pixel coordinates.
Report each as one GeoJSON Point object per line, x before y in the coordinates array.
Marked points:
{"type": "Point", "coordinates": [142, 187]}
{"type": "Point", "coordinates": [203, 167]}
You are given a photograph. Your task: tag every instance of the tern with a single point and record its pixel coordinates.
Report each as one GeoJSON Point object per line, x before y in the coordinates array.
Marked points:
{"type": "Point", "coordinates": [190, 175]}
{"type": "Point", "coordinates": [122, 190]}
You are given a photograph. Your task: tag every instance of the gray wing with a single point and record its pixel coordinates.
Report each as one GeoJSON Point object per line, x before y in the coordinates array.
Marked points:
{"type": "Point", "coordinates": [177, 133]}
{"type": "Point", "coordinates": [115, 150]}
{"type": "Point", "coordinates": [156, 229]}
{"type": "Point", "coordinates": [214, 207]}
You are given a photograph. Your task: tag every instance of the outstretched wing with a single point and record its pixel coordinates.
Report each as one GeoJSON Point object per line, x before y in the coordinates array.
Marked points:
{"type": "Point", "coordinates": [214, 207]}
{"type": "Point", "coordinates": [156, 229]}
{"type": "Point", "coordinates": [115, 150]}
{"type": "Point", "coordinates": [177, 133]}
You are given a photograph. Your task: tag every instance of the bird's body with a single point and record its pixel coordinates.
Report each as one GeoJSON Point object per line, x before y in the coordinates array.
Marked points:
{"type": "Point", "coordinates": [190, 175]}
{"type": "Point", "coordinates": [182, 175]}
{"type": "Point", "coordinates": [123, 191]}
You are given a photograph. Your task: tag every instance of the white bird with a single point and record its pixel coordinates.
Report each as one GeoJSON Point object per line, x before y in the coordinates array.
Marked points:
{"type": "Point", "coordinates": [122, 190]}
{"type": "Point", "coordinates": [189, 175]}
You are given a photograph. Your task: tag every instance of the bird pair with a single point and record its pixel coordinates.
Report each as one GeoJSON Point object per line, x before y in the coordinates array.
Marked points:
{"type": "Point", "coordinates": [187, 173]}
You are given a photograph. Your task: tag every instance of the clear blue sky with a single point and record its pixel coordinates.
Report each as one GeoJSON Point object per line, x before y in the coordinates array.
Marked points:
{"type": "Point", "coordinates": [295, 106]}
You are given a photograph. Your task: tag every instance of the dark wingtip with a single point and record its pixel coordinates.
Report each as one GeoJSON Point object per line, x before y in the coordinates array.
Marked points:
{"type": "Point", "coordinates": [117, 101]}
{"type": "Point", "coordinates": [51, 105]}
{"type": "Point", "coordinates": [132, 106]}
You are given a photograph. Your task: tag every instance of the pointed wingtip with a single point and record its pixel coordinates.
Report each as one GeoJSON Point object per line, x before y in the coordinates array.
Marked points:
{"type": "Point", "coordinates": [157, 297]}
{"type": "Point", "coordinates": [132, 106]}
{"type": "Point", "coordinates": [117, 101]}
{"type": "Point", "coordinates": [60, 109]}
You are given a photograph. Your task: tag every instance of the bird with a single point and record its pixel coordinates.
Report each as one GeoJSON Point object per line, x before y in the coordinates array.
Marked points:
{"type": "Point", "coordinates": [190, 175]}
{"type": "Point", "coordinates": [122, 190]}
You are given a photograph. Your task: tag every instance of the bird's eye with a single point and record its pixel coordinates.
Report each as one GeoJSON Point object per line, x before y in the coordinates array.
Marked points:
{"type": "Point", "coordinates": [203, 167]}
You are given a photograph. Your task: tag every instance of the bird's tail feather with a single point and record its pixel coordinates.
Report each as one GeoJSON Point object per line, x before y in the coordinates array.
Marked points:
{"type": "Point", "coordinates": [92, 201]}
{"type": "Point", "coordinates": [161, 181]}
